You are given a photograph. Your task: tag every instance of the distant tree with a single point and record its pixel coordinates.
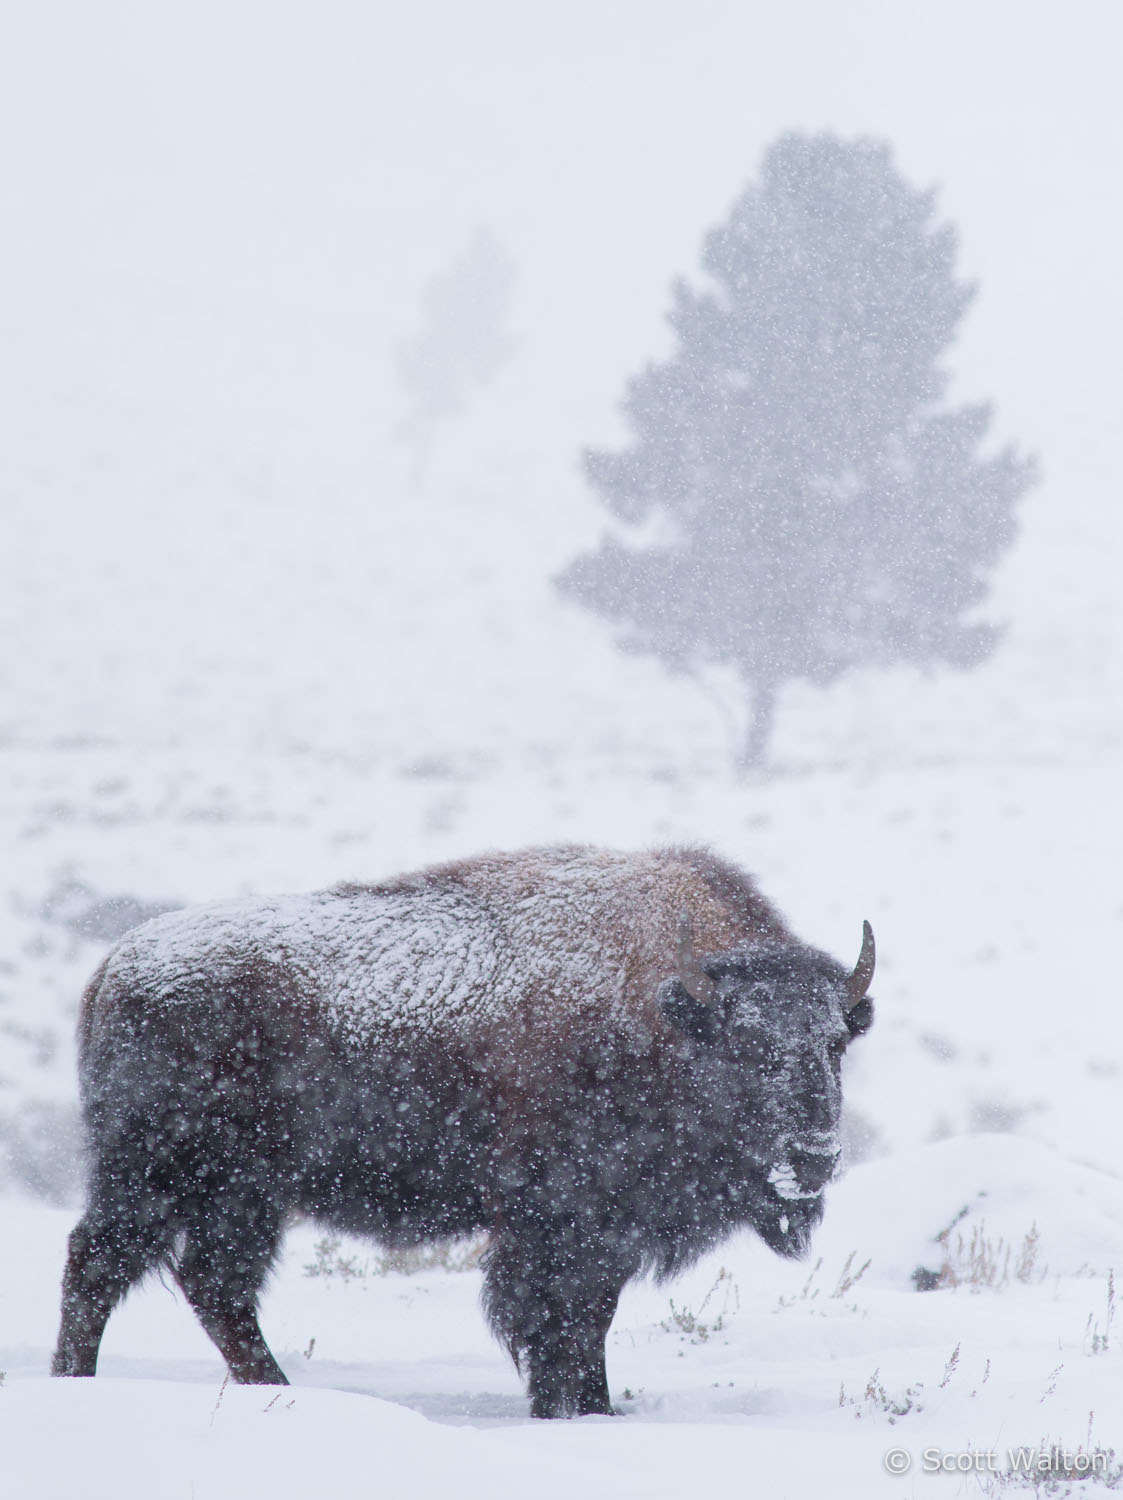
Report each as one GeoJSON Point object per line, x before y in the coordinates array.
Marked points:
{"type": "Point", "coordinates": [463, 342]}
{"type": "Point", "coordinates": [816, 508]}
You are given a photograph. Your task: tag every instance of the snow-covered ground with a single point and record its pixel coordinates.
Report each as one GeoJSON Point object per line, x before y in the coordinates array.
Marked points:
{"type": "Point", "coordinates": [240, 652]}
{"type": "Point", "coordinates": [791, 1381]}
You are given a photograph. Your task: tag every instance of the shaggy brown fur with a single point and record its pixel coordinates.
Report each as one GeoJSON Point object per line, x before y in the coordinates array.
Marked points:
{"type": "Point", "coordinates": [505, 1042]}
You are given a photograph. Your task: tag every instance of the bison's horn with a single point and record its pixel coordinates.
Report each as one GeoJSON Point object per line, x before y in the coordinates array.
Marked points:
{"type": "Point", "coordinates": [695, 979]}
{"type": "Point", "coordinates": [859, 981]}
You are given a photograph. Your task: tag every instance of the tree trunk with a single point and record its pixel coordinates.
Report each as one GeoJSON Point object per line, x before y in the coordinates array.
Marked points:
{"type": "Point", "coordinates": [762, 709]}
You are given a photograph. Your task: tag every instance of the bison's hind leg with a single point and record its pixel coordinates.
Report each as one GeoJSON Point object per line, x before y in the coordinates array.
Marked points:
{"type": "Point", "coordinates": [227, 1254]}
{"type": "Point", "coordinates": [145, 1194]}
{"type": "Point", "coordinates": [108, 1253]}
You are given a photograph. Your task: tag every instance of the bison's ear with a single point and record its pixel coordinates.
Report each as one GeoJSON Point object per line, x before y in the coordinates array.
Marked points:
{"type": "Point", "coordinates": [694, 1018]}
{"type": "Point", "coordinates": [859, 1018]}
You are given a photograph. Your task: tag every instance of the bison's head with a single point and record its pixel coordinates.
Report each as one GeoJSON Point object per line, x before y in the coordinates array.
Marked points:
{"type": "Point", "coordinates": [768, 1026]}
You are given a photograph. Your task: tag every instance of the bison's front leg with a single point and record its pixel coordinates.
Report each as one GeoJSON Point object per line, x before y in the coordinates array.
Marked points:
{"type": "Point", "coordinates": [551, 1294]}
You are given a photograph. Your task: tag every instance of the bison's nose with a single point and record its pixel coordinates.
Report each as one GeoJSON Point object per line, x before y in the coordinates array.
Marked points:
{"type": "Point", "coordinates": [814, 1169]}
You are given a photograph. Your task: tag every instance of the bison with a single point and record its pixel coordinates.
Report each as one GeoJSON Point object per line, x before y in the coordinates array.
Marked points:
{"type": "Point", "coordinates": [608, 1061]}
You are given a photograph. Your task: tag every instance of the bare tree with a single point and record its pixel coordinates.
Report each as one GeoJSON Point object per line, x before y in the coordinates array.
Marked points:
{"type": "Point", "coordinates": [462, 344]}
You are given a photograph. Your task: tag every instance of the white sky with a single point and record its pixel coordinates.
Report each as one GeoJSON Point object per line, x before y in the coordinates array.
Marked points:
{"type": "Point", "coordinates": [598, 140]}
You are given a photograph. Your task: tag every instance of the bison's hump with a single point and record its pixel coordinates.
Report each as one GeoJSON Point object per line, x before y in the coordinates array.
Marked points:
{"type": "Point", "coordinates": [365, 964]}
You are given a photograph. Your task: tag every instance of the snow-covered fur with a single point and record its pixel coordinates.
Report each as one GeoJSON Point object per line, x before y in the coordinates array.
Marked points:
{"type": "Point", "coordinates": [509, 1043]}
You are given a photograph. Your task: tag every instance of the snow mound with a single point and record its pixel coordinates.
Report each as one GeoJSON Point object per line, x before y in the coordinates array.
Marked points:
{"type": "Point", "coordinates": [919, 1208]}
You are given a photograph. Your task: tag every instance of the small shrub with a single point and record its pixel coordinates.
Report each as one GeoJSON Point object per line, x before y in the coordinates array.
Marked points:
{"type": "Point", "coordinates": [980, 1261]}
{"type": "Point", "coordinates": [847, 1278]}
{"type": "Point", "coordinates": [1051, 1468]}
{"type": "Point", "coordinates": [690, 1325]}
{"type": "Point", "coordinates": [443, 1255]}
{"type": "Point", "coordinates": [453, 1256]}
{"type": "Point", "coordinates": [949, 1368]}
{"type": "Point", "coordinates": [877, 1399]}
{"type": "Point", "coordinates": [1099, 1342]}
{"type": "Point", "coordinates": [329, 1263]}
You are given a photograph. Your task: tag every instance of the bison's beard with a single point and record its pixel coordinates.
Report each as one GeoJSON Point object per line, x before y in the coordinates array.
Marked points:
{"type": "Point", "coordinates": [786, 1224]}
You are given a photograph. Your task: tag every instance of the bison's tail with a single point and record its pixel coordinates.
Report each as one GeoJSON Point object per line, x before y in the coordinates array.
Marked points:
{"type": "Point", "coordinates": [86, 1010]}
{"type": "Point", "coordinates": [500, 1299]}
